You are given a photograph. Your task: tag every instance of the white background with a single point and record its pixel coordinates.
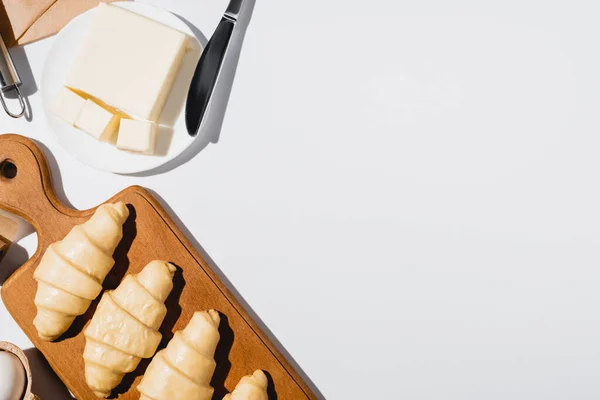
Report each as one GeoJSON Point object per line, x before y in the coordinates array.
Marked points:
{"type": "Point", "coordinates": [406, 193]}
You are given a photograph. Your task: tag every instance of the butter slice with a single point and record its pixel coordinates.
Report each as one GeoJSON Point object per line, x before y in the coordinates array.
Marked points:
{"type": "Point", "coordinates": [128, 61]}
{"type": "Point", "coordinates": [138, 136]}
{"type": "Point", "coordinates": [68, 105]}
{"type": "Point", "coordinates": [97, 121]}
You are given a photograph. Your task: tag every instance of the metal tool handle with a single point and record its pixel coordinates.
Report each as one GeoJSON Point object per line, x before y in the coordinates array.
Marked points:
{"type": "Point", "coordinates": [9, 79]}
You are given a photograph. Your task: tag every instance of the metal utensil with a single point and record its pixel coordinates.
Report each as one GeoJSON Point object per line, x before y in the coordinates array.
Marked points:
{"type": "Point", "coordinates": [208, 69]}
{"type": "Point", "coordinates": [9, 79]}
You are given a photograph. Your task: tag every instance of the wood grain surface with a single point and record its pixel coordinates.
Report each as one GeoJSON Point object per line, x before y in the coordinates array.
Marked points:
{"type": "Point", "coordinates": [149, 234]}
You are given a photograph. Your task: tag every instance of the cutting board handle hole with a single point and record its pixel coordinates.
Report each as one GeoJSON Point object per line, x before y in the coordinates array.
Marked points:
{"type": "Point", "coordinates": [8, 169]}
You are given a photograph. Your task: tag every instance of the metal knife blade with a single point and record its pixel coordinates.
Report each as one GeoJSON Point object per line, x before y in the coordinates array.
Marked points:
{"type": "Point", "coordinates": [208, 69]}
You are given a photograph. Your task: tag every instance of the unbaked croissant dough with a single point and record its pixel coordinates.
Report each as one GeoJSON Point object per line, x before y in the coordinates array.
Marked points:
{"type": "Point", "coordinates": [184, 369]}
{"type": "Point", "coordinates": [251, 387]}
{"type": "Point", "coordinates": [124, 328]}
{"type": "Point", "coordinates": [71, 272]}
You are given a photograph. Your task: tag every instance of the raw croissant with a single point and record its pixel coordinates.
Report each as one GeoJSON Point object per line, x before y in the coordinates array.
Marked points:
{"type": "Point", "coordinates": [71, 272]}
{"type": "Point", "coordinates": [184, 369]}
{"type": "Point", "coordinates": [124, 328]}
{"type": "Point", "coordinates": [251, 387]}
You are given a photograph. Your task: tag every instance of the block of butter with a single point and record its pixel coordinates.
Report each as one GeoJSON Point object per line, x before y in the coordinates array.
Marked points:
{"type": "Point", "coordinates": [68, 105]}
{"type": "Point", "coordinates": [128, 61]}
{"type": "Point", "coordinates": [97, 121]}
{"type": "Point", "coordinates": [137, 136]}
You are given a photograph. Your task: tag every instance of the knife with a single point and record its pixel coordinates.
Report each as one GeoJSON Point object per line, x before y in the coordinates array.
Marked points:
{"type": "Point", "coordinates": [208, 69]}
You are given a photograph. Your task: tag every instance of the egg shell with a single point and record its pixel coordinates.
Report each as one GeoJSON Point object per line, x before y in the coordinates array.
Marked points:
{"type": "Point", "coordinates": [12, 377]}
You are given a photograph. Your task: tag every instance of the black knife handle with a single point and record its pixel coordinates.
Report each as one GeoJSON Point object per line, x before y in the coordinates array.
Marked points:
{"type": "Point", "coordinates": [206, 75]}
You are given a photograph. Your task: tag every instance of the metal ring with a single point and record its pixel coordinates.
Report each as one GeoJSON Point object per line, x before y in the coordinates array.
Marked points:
{"type": "Point", "coordinates": [21, 102]}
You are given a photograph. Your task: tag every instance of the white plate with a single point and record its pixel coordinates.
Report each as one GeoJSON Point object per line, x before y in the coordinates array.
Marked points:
{"type": "Point", "coordinates": [173, 138]}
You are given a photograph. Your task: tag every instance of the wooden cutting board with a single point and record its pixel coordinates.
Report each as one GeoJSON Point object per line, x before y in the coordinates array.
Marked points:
{"type": "Point", "coordinates": [149, 233]}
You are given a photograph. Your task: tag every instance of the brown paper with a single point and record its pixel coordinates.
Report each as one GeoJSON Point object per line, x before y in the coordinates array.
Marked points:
{"type": "Point", "coordinates": [25, 21]}
{"type": "Point", "coordinates": [8, 233]}
{"type": "Point", "coordinates": [8, 228]}
{"type": "Point", "coordinates": [3, 247]}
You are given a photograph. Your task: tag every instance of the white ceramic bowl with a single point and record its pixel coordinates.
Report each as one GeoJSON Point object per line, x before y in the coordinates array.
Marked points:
{"type": "Point", "coordinates": [172, 135]}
